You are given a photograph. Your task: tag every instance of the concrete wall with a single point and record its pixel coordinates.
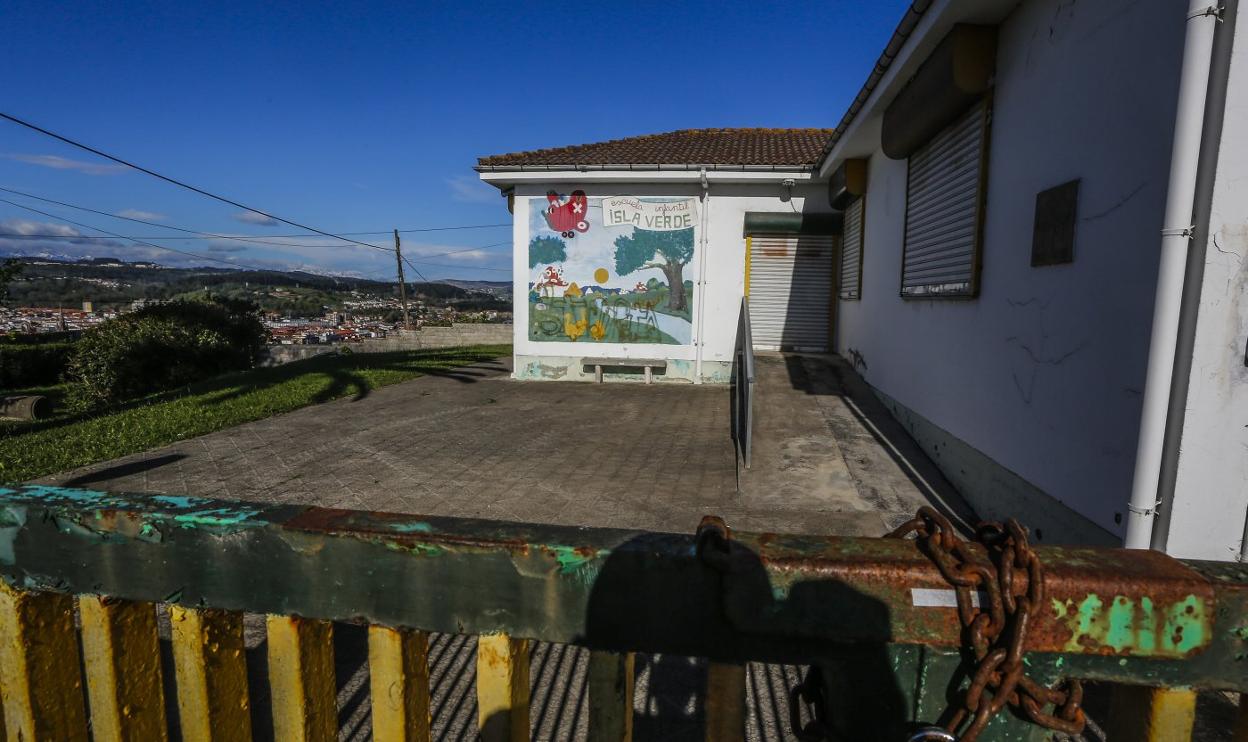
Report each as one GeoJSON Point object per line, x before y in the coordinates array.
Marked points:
{"type": "Point", "coordinates": [1211, 491]}
{"type": "Point", "coordinates": [716, 312]}
{"type": "Point", "coordinates": [1042, 374]}
{"type": "Point", "coordinates": [426, 337]}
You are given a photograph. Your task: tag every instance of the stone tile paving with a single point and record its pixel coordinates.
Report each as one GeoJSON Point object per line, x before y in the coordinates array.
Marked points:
{"type": "Point", "coordinates": [471, 442]}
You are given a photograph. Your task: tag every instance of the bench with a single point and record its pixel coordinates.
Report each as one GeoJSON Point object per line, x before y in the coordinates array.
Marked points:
{"type": "Point", "coordinates": [649, 364]}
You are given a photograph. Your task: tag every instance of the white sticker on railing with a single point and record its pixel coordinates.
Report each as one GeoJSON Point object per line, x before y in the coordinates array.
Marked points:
{"type": "Point", "coordinates": [927, 597]}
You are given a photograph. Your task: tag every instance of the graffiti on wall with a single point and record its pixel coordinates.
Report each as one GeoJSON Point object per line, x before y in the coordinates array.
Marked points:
{"type": "Point", "coordinates": [611, 270]}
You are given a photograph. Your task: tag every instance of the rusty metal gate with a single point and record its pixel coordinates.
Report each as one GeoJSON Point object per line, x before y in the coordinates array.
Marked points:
{"type": "Point", "coordinates": [987, 639]}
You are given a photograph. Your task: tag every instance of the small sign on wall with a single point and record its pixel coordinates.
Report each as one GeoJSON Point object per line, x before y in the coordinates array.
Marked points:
{"type": "Point", "coordinates": [654, 216]}
{"type": "Point", "coordinates": [1053, 235]}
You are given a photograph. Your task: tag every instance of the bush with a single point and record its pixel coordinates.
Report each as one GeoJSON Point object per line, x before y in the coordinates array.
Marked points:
{"type": "Point", "coordinates": [163, 347]}
{"type": "Point", "coordinates": [39, 338]}
{"type": "Point", "coordinates": [33, 365]}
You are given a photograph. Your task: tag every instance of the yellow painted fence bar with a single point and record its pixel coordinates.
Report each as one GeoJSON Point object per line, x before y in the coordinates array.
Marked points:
{"type": "Point", "coordinates": [502, 688]}
{"type": "Point", "coordinates": [40, 683]}
{"type": "Point", "coordinates": [210, 664]}
{"type": "Point", "coordinates": [725, 702]}
{"type": "Point", "coordinates": [1152, 714]}
{"type": "Point", "coordinates": [301, 678]}
{"type": "Point", "coordinates": [121, 653]}
{"type": "Point", "coordinates": [610, 697]}
{"type": "Point", "coordinates": [398, 669]}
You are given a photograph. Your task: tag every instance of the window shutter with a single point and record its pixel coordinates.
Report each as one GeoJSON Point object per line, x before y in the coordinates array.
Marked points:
{"type": "Point", "coordinates": [790, 290]}
{"type": "Point", "coordinates": [944, 203]}
{"type": "Point", "coordinates": [851, 251]}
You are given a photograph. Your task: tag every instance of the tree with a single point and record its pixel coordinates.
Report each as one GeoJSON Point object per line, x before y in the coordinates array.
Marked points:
{"type": "Point", "coordinates": [546, 250]}
{"type": "Point", "coordinates": [9, 270]}
{"type": "Point", "coordinates": [670, 252]}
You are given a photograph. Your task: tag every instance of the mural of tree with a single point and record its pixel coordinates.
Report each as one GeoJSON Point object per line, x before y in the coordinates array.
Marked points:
{"type": "Point", "coordinates": [547, 250]}
{"type": "Point", "coordinates": [670, 252]}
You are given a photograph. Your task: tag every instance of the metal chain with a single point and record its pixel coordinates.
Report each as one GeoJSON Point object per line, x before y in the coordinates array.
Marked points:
{"type": "Point", "coordinates": [996, 633]}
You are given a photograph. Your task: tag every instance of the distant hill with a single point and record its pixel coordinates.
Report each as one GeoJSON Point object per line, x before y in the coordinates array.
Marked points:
{"type": "Point", "coordinates": [108, 281]}
{"type": "Point", "coordinates": [501, 289]}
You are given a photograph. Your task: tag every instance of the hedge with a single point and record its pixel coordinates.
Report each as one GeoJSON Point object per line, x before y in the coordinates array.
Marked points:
{"type": "Point", "coordinates": [33, 365]}
{"type": "Point", "coordinates": [162, 347]}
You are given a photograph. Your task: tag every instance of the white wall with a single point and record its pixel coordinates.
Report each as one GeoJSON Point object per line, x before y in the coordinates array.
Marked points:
{"type": "Point", "coordinates": [1211, 493]}
{"type": "Point", "coordinates": [1043, 372]}
{"type": "Point", "coordinates": [723, 257]}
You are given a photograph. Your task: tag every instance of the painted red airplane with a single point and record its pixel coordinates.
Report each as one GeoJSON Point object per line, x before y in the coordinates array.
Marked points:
{"type": "Point", "coordinates": [568, 217]}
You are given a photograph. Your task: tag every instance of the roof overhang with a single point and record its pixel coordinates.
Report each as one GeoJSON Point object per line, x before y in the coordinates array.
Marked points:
{"type": "Point", "coordinates": [505, 177]}
{"type": "Point", "coordinates": [861, 135]}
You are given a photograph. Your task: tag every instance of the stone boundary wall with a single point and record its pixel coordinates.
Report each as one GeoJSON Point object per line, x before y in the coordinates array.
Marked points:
{"type": "Point", "coordinates": [427, 337]}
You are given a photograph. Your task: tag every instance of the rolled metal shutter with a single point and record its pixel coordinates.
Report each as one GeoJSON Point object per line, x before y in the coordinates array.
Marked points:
{"type": "Point", "coordinates": [943, 202]}
{"type": "Point", "coordinates": [790, 289]}
{"type": "Point", "coordinates": [851, 251]}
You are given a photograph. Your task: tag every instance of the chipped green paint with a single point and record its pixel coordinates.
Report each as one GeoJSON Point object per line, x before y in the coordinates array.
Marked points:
{"type": "Point", "coordinates": [219, 518]}
{"type": "Point", "coordinates": [570, 560]}
{"type": "Point", "coordinates": [421, 549]}
{"type": "Point", "coordinates": [1185, 627]}
{"type": "Point", "coordinates": [150, 533]}
{"type": "Point", "coordinates": [180, 501]}
{"type": "Point", "coordinates": [64, 495]}
{"type": "Point", "coordinates": [414, 527]}
{"type": "Point", "coordinates": [1127, 628]}
{"type": "Point", "coordinates": [12, 518]}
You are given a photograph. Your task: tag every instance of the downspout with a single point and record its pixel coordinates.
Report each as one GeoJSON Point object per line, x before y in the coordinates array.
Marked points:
{"type": "Point", "coordinates": [1176, 239]}
{"type": "Point", "coordinates": [1194, 276]}
{"type": "Point", "coordinates": [699, 341]}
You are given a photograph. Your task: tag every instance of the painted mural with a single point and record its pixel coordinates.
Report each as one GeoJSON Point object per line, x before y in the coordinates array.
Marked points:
{"type": "Point", "coordinates": [611, 270]}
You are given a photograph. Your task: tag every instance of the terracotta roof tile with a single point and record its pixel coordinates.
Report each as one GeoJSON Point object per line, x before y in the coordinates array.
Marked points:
{"type": "Point", "coordinates": [745, 147]}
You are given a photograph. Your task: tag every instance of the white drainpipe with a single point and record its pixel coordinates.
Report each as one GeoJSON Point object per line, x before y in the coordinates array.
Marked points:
{"type": "Point", "coordinates": [1202, 19]}
{"type": "Point", "coordinates": [700, 293]}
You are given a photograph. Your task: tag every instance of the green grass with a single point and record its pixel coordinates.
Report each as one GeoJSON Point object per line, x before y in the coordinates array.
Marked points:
{"type": "Point", "coordinates": [34, 449]}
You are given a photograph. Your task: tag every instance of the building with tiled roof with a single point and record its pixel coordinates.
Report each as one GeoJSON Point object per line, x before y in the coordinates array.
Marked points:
{"type": "Point", "coordinates": [761, 149]}
{"type": "Point", "coordinates": [634, 251]}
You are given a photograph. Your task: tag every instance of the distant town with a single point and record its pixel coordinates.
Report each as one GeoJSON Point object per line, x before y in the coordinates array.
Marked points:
{"type": "Point", "coordinates": [297, 308]}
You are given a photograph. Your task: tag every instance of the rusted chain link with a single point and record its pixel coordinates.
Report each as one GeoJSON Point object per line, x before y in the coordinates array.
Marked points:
{"type": "Point", "coordinates": [996, 632]}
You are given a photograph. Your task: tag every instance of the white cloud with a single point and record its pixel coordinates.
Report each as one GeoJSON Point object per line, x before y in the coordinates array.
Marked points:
{"type": "Point", "coordinates": [28, 227]}
{"type": "Point", "coordinates": [471, 190]}
{"type": "Point", "coordinates": [253, 217]}
{"type": "Point", "coordinates": [321, 255]}
{"type": "Point", "coordinates": [64, 163]}
{"type": "Point", "coordinates": [148, 216]}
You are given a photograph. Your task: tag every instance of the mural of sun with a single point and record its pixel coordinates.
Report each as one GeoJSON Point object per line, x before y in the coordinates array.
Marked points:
{"type": "Point", "coordinates": [601, 275]}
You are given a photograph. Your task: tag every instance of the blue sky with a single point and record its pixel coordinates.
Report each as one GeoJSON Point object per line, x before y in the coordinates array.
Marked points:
{"type": "Point", "coordinates": [357, 117]}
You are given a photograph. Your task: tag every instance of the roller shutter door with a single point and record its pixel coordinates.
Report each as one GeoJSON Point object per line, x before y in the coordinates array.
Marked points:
{"type": "Point", "coordinates": [790, 289]}
{"type": "Point", "coordinates": [851, 251]}
{"type": "Point", "coordinates": [943, 202]}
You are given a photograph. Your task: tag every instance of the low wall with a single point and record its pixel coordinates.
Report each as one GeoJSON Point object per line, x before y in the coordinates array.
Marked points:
{"type": "Point", "coordinates": [438, 337]}
{"type": "Point", "coordinates": [573, 368]}
{"type": "Point", "coordinates": [426, 337]}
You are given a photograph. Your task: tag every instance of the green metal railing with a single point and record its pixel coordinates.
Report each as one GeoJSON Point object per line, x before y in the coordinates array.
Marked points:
{"type": "Point", "coordinates": [878, 616]}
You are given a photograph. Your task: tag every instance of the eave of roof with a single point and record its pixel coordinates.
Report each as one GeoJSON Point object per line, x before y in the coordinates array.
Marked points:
{"type": "Point", "coordinates": [630, 167]}
{"type": "Point", "coordinates": [900, 35]}
{"type": "Point", "coordinates": [735, 149]}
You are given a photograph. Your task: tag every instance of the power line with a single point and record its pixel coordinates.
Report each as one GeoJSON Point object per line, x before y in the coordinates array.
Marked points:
{"type": "Point", "coordinates": [467, 249]}
{"type": "Point", "coordinates": [413, 267]}
{"type": "Point", "coordinates": [202, 235]}
{"type": "Point", "coordinates": [141, 242]}
{"type": "Point", "coordinates": [461, 267]}
{"type": "Point", "coordinates": [178, 183]}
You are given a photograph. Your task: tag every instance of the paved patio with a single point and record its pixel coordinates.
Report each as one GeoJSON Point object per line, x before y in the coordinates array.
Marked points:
{"type": "Point", "coordinates": [472, 442]}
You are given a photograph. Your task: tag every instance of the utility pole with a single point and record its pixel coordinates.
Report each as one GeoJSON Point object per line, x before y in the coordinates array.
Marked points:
{"type": "Point", "coordinates": [398, 258]}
